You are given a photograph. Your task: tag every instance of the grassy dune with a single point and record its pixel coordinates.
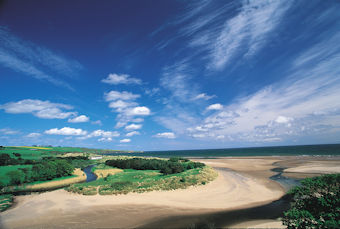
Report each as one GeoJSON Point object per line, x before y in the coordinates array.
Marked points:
{"type": "Point", "coordinates": [143, 181]}
{"type": "Point", "coordinates": [101, 173]}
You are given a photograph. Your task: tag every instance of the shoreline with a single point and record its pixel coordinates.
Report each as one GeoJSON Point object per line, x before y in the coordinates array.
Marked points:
{"type": "Point", "coordinates": [237, 188]}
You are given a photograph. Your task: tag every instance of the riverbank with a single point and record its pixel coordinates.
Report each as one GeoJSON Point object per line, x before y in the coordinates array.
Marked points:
{"type": "Point", "coordinates": [243, 183]}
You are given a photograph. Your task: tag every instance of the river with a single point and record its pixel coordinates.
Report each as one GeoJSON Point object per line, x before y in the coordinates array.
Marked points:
{"type": "Point", "coordinates": [90, 176]}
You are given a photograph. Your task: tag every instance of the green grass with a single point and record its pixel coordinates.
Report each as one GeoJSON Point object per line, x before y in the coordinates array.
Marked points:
{"type": "Point", "coordinates": [101, 166]}
{"type": "Point", "coordinates": [5, 201]}
{"type": "Point", "coordinates": [26, 153]}
{"type": "Point", "coordinates": [4, 169]}
{"type": "Point", "coordinates": [143, 181]}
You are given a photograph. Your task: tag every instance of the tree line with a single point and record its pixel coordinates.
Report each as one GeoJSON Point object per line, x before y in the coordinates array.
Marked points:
{"type": "Point", "coordinates": [43, 171]}
{"type": "Point", "coordinates": [171, 166]}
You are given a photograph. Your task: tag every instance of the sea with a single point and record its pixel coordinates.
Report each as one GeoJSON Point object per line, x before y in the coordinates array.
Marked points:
{"type": "Point", "coordinates": [300, 150]}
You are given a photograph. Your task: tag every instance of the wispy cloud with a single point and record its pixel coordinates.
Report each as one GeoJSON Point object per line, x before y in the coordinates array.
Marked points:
{"type": "Point", "coordinates": [215, 30]}
{"type": "Point", "coordinates": [168, 135]}
{"type": "Point", "coordinates": [305, 102]}
{"type": "Point", "coordinates": [39, 108]}
{"type": "Point", "coordinates": [8, 131]}
{"type": "Point", "coordinates": [36, 61]}
{"type": "Point", "coordinates": [204, 96]}
{"type": "Point", "coordinates": [33, 135]}
{"type": "Point", "coordinates": [247, 32]}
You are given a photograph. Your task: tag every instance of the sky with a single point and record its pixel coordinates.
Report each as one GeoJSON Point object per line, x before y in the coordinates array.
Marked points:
{"type": "Point", "coordinates": [169, 75]}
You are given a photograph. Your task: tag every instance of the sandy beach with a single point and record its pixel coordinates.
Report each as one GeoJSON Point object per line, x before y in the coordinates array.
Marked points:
{"type": "Point", "coordinates": [243, 183]}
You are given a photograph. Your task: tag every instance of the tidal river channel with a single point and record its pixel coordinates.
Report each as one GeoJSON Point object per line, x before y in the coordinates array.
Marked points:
{"type": "Point", "coordinates": [90, 176]}
{"type": "Point", "coordinates": [227, 218]}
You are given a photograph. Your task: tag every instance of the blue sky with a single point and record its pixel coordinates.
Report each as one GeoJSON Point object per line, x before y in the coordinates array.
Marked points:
{"type": "Point", "coordinates": [164, 75]}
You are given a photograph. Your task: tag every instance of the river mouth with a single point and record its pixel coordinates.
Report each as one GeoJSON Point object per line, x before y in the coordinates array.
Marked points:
{"type": "Point", "coordinates": [227, 218]}
{"type": "Point", "coordinates": [90, 176]}
{"type": "Point", "coordinates": [286, 182]}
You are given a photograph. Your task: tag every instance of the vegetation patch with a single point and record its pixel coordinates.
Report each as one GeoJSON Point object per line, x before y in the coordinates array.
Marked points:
{"type": "Point", "coordinates": [77, 176]}
{"type": "Point", "coordinates": [5, 201]}
{"type": "Point", "coordinates": [171, 166]}
{"type": "Point", "coordinates": [133, 180]}
{"type": "Point", "coordinates": [315, 204]}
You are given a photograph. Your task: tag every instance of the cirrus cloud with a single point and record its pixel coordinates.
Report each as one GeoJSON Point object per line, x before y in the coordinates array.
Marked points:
{"type": "Point", "coordinates": [39, 108]}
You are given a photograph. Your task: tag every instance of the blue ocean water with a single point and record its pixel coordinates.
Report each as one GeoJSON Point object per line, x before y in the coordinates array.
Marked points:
{"type": "Point", "coordinates": [302, 150]}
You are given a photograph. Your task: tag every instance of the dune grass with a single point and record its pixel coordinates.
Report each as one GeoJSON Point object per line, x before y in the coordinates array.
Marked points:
{"type": "Point", "coordinates": [143, 181]}
{"type": "Point", "coordinates": [102, 173]}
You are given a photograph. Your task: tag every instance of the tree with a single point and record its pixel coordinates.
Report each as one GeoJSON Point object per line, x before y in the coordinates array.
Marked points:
{"type": "Point", "coordinates": [16, 177]}
{"type": "Point", "coordinates": [63, 168]}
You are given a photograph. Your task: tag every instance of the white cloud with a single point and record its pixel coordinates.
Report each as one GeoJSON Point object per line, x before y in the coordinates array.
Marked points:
{"type": "Point", "coordinates": [105, 140]}
{"type": "Point", "coordinates": [80, 118]}
{"type": "Point", "coordinates": [66, 131]}
{"type": "Point", "coordinates": [103, 133]}
{"type": "Point", "coordinates": [133, 127]}
{"type": "Point", "coordinates": [124, 104]}
{"type": "Point", "coordinates": [215, 106]}
{"type": "Point", "coordinates": [121, 79]}
{"type": "Point", "coordinates": [120, 104]}
{"type": "Point", "coordinates": [33, 135]}
{"type": "Point", "coordinates": [139, 111]}
{"type": "Point", "coordinates": [40, 109]}
{"type": "Point", "coordinates": [169, 135]}
{"type": "Point", "coordinates": [130, 134]}
{"type": "Point", "coordinates": [204, 96]}
{"type": "Point", "coordinates": [126, 140]}
{"type": "Point", "coordinates": [116, 95]}
{"type": "Point", "coordinates": [283, 119]}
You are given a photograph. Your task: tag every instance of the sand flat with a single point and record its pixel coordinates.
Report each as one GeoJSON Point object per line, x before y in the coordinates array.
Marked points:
{"type": "Point", "coordinates": [242, 183]}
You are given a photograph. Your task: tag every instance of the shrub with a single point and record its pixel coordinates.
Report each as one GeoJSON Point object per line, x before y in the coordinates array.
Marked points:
{"type": "Point", "coordinates": [316, 204]}
{"type": "Point", "coordinates": [171, 166]}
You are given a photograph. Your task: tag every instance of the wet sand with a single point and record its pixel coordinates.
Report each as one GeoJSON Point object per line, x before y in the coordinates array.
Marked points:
{"type": "Point", "coordinates": [234, 199]}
